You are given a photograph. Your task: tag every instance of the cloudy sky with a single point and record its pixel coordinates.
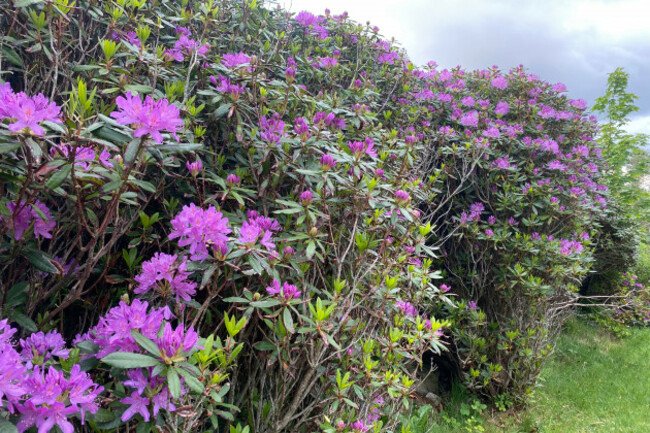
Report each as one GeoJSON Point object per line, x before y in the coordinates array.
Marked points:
{"type": "Point", "coordinates": [577, 42]}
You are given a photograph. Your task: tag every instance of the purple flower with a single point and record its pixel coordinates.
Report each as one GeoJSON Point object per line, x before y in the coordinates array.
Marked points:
{"type": "Point", "coordinates": [492, 132]}
{"type": "Point", "coordinates": [27, 112]}
{"type": "Point", "coordinates": [301, 128]}
{"type": "Point", "coordinates": [546, 112]}
{"type": "Point", "coordinates": [113, 332]}
{"type": "Point", "coordinates": [360, 427]}
{"type": "Point", "coordinates": [200, 228]}
{"type": "Point", "coordinates": [402, 197]}
{"type": "Point", "coordinates": [327, 62]}
{"type": "Point", "coordinates": [24, 215]}
{"type": "Point", "coordinates": [499, 83]}
{"type": "Point", "coordinates": [556, 165]}
{"type": "Point", "coordinates": [234, 61]}
{"type": "Point", "coordinates": [232, 180]}
{"type": "Point", "coordinates": [51, 398]}
{"type": "Point", "coordinates": [470, 119]}
{"type": "Point", "coordinates": [194, 167]}
{"type": "Point", "coordinates": [162, 272]}
{"type": "Point", "coordinates": [272, 129]}
{"type": "Point", "coordinates": [327, 162]}
{"type": "Point", "coordinates": [138, 405]}
{"type": "Point", "coordinates": [407, 308]}
{"type": "Point", "coordinates": [328, 119]}
{"type": "Point", "coordinates": [176, 341]}
{"type": "Point", "coordinates": [471, 306]}
{"type": "Point", "coordinates": [148, 117]}
{"type": "Point", "coordinates": [306, 197]}
{"type": "Point", "coordinates": [444, 288]}
{"type": "Point", "coordinates": [358, 148]}
{"type": "Point", "coordinates": [502, 163]}
{"type": "Point", "coordinates": [44, 346]}
{"type": "Point", "coordinates": [286, 291]}
{"type": "Point", "coordinates": [502, 108]}
{"type": "Point", "coordinates": [489, 233]}
{"type": "Point", "coordinates": [224, 85]}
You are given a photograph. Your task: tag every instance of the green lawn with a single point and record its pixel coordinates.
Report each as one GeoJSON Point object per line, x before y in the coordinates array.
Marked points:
{"type": "Point", "coordinates": [593, 383]}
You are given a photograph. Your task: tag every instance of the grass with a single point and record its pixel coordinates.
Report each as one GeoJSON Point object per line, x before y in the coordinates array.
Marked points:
{"type": "Point", "coordinates": [593, 383]}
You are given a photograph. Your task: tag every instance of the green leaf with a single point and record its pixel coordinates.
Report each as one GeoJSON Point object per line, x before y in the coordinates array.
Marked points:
{"type": "Point", "coordinates": [145, 343]}
{"type": "Point", "coordinates": [25, 3]}
{"type": "Point", "coordinates": [222, 110]}
{"type": "Point", "coordinates": [265, 304]}
{"type": "Point", "coordinates": [17, 294]}
{"type": "Point", "coordinates": [7, 427]}
{"type": "Point", "coordinates": [58, 177]}
{"type": "Point", "coordinates": [288, 321]}
{"type": "Point", "coordinates": [24, 321]}
{"type": "Point", "coordinates": [311, 249]}
{"type": "Point", "coordinates": [40, 260]}
{"type": "Point", "coordinates": [173, 383]}
{"type": "Point", "coordinates": [191, 381]}
{"type": "Point", "coordinates": [131, 151]}
{"type": "Point", "coordinates": [12, 56]}
{"type": "Point", "coordinates": [129, 360]}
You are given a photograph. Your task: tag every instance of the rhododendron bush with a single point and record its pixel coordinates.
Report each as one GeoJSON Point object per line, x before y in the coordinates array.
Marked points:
{"type": "Point", "coordinates": [205, 223]}
{"type": "Point", "coordinates": [219, 216]}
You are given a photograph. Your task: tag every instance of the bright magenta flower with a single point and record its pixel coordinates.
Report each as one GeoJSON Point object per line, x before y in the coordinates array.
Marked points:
{"type": "Point", "coordinates": [199, 228]}
{"type": "Point", "coordinates": [148, 117]}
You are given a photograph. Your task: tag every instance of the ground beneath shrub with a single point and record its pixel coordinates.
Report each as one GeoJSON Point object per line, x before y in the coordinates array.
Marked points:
{"type": "Point", "coordinates": [593, 383]}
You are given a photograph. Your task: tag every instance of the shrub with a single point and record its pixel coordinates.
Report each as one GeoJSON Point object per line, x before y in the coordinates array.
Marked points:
{"type": "Point", "coordinates": [215, 170]}
{"type": "Point", "coordinates": [518, 172]}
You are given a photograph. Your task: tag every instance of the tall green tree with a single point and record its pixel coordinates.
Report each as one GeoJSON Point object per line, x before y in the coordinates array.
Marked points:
{"type": "Point", "coordinates": [624, 152]}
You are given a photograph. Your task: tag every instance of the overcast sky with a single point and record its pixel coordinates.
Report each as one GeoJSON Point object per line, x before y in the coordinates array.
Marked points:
{"type": "Point", "coordinates": [577, 42]}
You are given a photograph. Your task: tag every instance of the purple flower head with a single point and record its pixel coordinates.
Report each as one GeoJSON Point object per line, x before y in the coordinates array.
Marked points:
{"type": "Point", "coordinates": [492, 132]}
{"type": "Point", "coordinates": [499, 83]}
{"type": "Point", "coordinates": [489, 233]}
{"type": "Point", "coordinates": [402, 197]}
{"type": "Point", "coordinates": [546, 112]}
{"type": "Point", "coordinates": [360, 427]}
{"type": "Point", "coordinates": [469, 119]}
{"type": "Point", "coordinates": [199, 229]}
{"type": "Point", "coordinates": [234, 61]}
{"type": "Point", "coordinates": [51, 399]}
{"type": "Point", "coordinates": [233, 180]}
{"type": "Point", "coordinates": [286, 291]}
{"type": "Point", "coordinates": [148, 117]}
{"type": "Point", "coordinates": [444, 288]}
{"type": "Point", "coordinates": [224, 85]}
{"type": "Point", "coordinates": [471, 306]}
{"type": "Point", "coordinates": [44, 346]}
{"type": "Point", "coordinates": [306, 197]}
{"type": "Point", "coordinates": [137, 405]}
{"type": "Point", "coordinates": [358, 148]}
{"type": "Point", "coordinates": [163, 274]}
{"type": "Point", "coordinates": [329, 120]}
{"type": "Point", "coordinates": [502, 163]}
{"type": "Point", "coordinates": [272, 129]}
{"type": "Point", "coordinates": [407, 308]}
{"type": "Point", "coordinates": [113, 332]}
{"type": "Point", "coordinates": [27, 112]}
{"type": "Point", "coordinates": [194, 167]}
{"type": "Point", "coordinates": [556, 165]}
{"type": "Point", "coordinates": [258, 228]}
{"type": "Point", "coordinates": [327, 162]}
{"type": "Point", "coordinates": [288, 251]}
{"type": "Point", "coordinates": [24, 215]}
{"type": "Point", "coordinates": [176, 341]}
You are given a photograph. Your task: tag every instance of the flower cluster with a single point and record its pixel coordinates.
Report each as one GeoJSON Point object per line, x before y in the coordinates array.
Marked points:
{"type": "Point", "coordinates": [23, 216]}
{"type": "Point", "coordinates": [286, 291]}
{"type": "Point", "coordinates": [199, 229]}
{"type": "Point", "coordinates": [27, 112]}
{"type": "Point", "coordinates": [163, 273]}
{"type": "Point", "coordinates": [148, 117]}
{"type": "Point", "coordinates": [42, 396]}
{"type": "Point", "coordinates": [258, 228]}
{"type": "Point", "coordinates": [272, 129]}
